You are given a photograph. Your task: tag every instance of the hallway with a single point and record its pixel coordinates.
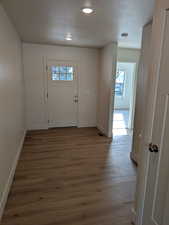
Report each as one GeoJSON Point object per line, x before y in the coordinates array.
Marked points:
{"type": "Point", "coordinates": [70, 176]}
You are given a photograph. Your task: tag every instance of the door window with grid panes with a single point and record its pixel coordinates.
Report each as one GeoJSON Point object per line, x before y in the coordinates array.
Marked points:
{"type": "Point", "coordinates": [62, 73]}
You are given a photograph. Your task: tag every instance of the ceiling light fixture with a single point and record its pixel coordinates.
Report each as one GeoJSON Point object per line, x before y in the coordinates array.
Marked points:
{"type": "Point", "coordinates": [69, 37]}
{"type": "Point", "coordinates": [87, 10]}
{"type": "Point", "coordinates": [124, 35]}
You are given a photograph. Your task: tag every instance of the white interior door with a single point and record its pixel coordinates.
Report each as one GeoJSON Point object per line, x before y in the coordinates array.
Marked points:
{"type": "Point", "coordinates": [62, 94]}
{"type": "Point", "coordinates": [156, 210]}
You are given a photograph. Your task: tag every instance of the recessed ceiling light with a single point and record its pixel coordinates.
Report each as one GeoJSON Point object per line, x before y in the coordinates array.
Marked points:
{"type": "Point", "coordinates": [87, 10]}
{"type": "Point", "coordinates": [124, 35]}
{"type": "Point", "coordinates": [69, 37]}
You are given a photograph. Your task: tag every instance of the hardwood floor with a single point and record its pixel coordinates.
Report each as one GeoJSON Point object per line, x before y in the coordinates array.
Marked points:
{"type": "Point", "coordinates": [71, 176]}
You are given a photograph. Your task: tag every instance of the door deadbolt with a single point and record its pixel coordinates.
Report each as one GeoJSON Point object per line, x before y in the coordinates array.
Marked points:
{"type": "Point", "coordinates": [153, 148]}
{"type": "Point", "coordinates": [76, 98]}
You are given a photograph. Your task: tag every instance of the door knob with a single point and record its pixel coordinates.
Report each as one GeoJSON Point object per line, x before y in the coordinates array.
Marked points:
{"type": "Point", "coordinates": [153, 148]}
{"type": "Point", "coordinates": [76, 98]}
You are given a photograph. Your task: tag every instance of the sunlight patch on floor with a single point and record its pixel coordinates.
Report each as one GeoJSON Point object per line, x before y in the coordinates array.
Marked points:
{"type": "Point", "coordinates": [118, 132]}
{"type": "Point", "coordinates": [120, 122]}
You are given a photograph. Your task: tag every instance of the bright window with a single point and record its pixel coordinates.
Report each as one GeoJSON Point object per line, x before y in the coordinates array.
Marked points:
{"type": "Point", "coordinates": [120, 81]}
{"type": "Point", "coordinates": [62, 73]}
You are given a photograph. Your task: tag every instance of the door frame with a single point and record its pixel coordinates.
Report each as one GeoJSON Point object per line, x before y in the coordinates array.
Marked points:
{"type": "Point", "coordinates": [145, 155]}
{"type": "Point", "coordinates": [112, 94]}
{"type": "Point", "coordinates": [46, 61]}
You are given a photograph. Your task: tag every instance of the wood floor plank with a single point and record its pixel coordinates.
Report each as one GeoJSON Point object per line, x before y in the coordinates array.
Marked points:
{"type": "Point", "coordinates": [70, 176]}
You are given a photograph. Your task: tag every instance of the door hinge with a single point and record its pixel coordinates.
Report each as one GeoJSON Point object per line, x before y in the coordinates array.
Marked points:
{"type": "Point", "coordinates": [46, 95]}
{"type": "Point", "coordinates": [48, 121]}
{"type": "Point", "coordinates": [46, 67]}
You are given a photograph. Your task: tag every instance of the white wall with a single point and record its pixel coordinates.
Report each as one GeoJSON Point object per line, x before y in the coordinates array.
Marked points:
{"type": "Point", "coordinates": [106, 82]}
{"type": "Point", "coordinates": [34, 57]}
{"type": "Point", "coordinates": [128, 55]}
{"type": "Point", "coordinates": [11, 104]}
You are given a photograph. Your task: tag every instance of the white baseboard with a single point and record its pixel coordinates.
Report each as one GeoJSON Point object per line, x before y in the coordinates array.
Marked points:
{"type": "Point", "coordinates": [4, 198]}
{"type": "Point", "coordinates": [86, 124]}
{"type": "Point", "coordinates": [133, 220]}
{"type": "Point", "coordinates": [45, 126]}
{"type": "Point", "coordinates": [37, 126]}
{"type": "Point", "coordinates": [101, 129]}
{"type": "Point", "coordinates": [62, 124]}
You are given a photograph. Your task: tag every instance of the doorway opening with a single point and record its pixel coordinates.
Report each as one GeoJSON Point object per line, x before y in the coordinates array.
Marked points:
{"type": "Point", "coordinates": [124, 99]}
{"type": "Point", "coordinates": [123, 117]}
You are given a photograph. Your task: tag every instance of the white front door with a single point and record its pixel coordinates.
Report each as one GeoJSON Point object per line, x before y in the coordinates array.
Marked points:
{"type": "Point", "coordinates": [62, 94]}
{"type": "Point", "coordinates": [156, 210]}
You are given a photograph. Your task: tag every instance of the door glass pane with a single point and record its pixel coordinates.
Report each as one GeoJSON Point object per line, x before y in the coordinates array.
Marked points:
{"type": "Point", "coordinates": [63, 69]}
{"type": "Point", "coordinates": [55, 69]}
{"type": "Point", "coordinates": [55, 76]}
{"type": "Point", "coordinates": [70, 69]}
{"type": "Point", "coordinates": [63, 76]}
{"type": "Point", "coordinates": [69, 76]}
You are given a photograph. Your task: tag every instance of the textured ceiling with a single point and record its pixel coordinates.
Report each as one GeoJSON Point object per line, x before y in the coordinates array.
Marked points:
{"type": "Point", "coordinates": [48, 21]}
